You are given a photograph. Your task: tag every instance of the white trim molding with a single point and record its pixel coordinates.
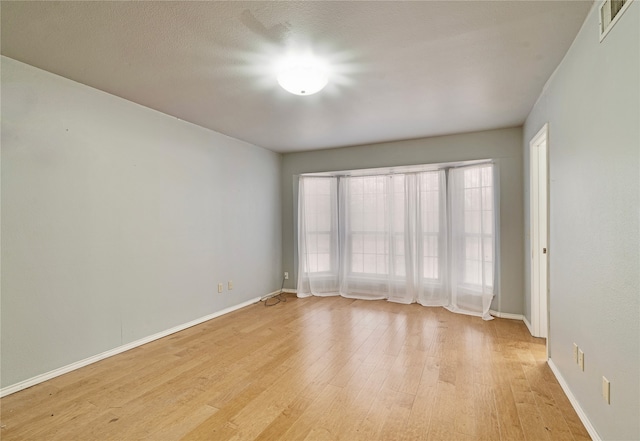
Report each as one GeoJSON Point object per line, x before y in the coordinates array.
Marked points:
{"type": "Point", "coordinates": [527, 324]}
{"type": "Point", "coordinates": [605, 28]}
{"type": "Point", "coordinates": [506, 315]}
{"type": "Point", "coordinates": [271, 294]}
{"type": "Point", "coordinates": [539, 229]}
{"type": "Point", "coordinates": [574, 402]}
{"type": "Point", "coordinates": [87, 361]}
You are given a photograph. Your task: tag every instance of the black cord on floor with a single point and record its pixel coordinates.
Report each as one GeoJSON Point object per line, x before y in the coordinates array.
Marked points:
{"type": "Point", "coordinates": [278, 296]}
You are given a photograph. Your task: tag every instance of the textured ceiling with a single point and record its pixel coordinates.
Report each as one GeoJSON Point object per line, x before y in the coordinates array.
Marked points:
{"type": "Point", "coordinates": [400, 70]}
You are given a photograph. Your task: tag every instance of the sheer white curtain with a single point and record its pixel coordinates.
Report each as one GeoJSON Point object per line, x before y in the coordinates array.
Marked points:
{"type": "Point", "coordinates": [431, 239]}
{"type": "Point", "coordinates": [400, 237]}
{"type": "Point", "coordinates": [372, 212]}
{"type": "Point", "coordinates": [394, 238]}
{"type": "Point", "coordinates": [318, 252]}
{"type": "Point", "coordinates": [473, 222]}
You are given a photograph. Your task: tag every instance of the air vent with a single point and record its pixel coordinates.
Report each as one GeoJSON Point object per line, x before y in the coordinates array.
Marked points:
{"type": "Point", "coordinates": [610, 13]}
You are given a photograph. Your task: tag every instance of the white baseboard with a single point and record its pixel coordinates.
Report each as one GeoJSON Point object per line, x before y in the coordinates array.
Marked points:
{"type": "Point", "coordinates": [506, 315]}
{"type": "Point", "coordinates": [528, 325]}
{"type": "Point", "coordinates": [576, 406]}
{"type": "Point", "coordinates": [275, 293]}
{"type": "Point", "coordinates": [271, 294]}
{"type": "Point", "coordinates": [87, 361]}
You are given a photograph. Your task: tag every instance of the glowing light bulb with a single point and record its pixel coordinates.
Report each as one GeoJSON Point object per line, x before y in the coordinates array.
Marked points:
{"type": "Point", "coordinates": [302, 76]}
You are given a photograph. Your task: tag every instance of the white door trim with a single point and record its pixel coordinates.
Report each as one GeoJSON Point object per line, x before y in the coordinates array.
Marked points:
{"type": "Point", "coordinates": [539, 204]}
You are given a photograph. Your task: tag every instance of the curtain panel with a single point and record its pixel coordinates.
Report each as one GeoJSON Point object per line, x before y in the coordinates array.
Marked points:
{"type": "Point", "coordinates": [426, 237]}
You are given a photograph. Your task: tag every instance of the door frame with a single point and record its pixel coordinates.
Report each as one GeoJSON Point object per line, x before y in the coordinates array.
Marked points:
{"type": "Point", "coordinates": [539, 231]}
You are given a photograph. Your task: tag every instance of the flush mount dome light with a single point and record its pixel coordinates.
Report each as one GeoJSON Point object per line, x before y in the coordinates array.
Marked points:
{"type": "Point", "coordinates": [302, 76]}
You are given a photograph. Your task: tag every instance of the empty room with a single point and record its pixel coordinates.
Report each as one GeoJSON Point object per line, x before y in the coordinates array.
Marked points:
{"type": "Point", "coordinates": [320, 220]}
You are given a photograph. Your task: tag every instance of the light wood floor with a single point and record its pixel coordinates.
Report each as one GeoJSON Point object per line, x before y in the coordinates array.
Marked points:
{"type": "Point", "coordinates": [311, 369]}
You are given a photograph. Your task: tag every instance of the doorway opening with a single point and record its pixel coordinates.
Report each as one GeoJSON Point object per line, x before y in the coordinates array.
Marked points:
{"type": "Point", "coordinates": [539, 221]}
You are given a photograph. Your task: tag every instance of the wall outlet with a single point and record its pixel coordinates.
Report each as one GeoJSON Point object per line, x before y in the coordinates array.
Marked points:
{"type": "Point", "coordinates": [606, 390]}
{"type": "Point", "coordinates": [230, 285]}
{"type": "Point", "coordinates": [575, 353]}
{"type": "Point", "coordinates": [286, 275]}
{"type": "Point", "coordinates": [220, 287]}
{"type": "Point", "coordinates": [581, 359]}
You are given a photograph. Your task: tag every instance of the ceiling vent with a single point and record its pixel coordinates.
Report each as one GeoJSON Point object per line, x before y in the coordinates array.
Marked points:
{"type": "Point", "coordinates": [610, 13]}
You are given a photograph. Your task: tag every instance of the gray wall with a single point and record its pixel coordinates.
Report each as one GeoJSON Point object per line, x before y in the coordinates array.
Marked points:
{"type": "Point", "coordinates": [503, 145]}
{"type": "Point", "coordinates": [118, 221]}
{"type": "Point", "coordinates": [592, 106]}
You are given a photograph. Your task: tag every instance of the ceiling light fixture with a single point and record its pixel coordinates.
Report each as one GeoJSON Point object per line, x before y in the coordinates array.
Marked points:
{"type": "Point", "coordinates": [302, 75]}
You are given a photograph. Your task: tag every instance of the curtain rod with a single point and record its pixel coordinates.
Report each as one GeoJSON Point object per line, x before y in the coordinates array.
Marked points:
{"type": "Point", "coordinates": [385, 171]}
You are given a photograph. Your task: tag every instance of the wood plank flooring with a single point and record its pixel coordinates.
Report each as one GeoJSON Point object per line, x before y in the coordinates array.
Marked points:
{"type": "Point", "coordinates": [310, 369]}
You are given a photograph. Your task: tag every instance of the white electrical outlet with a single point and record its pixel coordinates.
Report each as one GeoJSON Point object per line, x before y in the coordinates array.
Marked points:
{"type": "Point", "coordinates": [220, 287]}
{"type": "Point", "coordinates": [575, 353]}
{"type": "Point", "coordinates": [230, 285]}
{"type": "Point", "coordinates": [286, 276]}
{"type": "Point", "coordinates": [581, 359]}
{"type": "Point", "coordinates": [606, 390]}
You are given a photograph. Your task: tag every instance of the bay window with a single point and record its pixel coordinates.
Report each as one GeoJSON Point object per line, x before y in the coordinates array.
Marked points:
{"type": "Point", "coordinates": [426, 236]}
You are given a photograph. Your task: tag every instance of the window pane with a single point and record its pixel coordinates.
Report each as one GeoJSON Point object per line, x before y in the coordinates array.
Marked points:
{"type": "Point", "coordinates": [369, 215]}
{"type": "Point", "coordinates": [356, 203]}
{"type": "Point", "coordinates": [488, 274]}
{"type": "Point", "coordinates": [472, 177]}
{"type": "Point", "coordinates": [324, 243]}
{"type": "Point", "coordinates": [430, 268]}
{"type": "Point", "coordinates": [488, 249]}
{"type": "Point", "coordinates": [324, 262]}
{"type": "Point", "coordinates": [398, 245]}
{"type": "Point", "coordinates": [430, 181]}
{"type": "Point", "coordinates": [487, 176]}
{"type": "Point", "coordinates": [487, 198]}
{"type": "Point", "coordinates": [357, 262]}
{"type": "Point", "coordinates": [311, 221]}
{"type": "Point", "coordinates": [369, 223]}
{"type": "Point", "coordinates": [357, 222]}
{"type": "Point", "coordinates": [381, 221]}
{"type": "Point", "coordinates": [382, 245]}
{"type": "Point", "coordinates": [355, 186]}
{"type": "Point", "coordinates": [312, 243]}
{"type": "Point", "coordinates": [370, 243]}
{"type": "Point", "coordinates": [370, 185]}
{"type": "Point", "coordinates": [381, 265]}
{"type": "Point", "coordinates": [357, 243]}
{"type": "Point", "coordinates": [399, 266]}
{"type": "Point", "coordinates": [472, 222]}
{"type": "Point", "coordinates": [318, 213]}
{"type": "Point", "coordinates": [398, 214]}
{"type": "Point", "coordinates": [472, 272]}
{"type": "Point", "coordinates": [370, 263]}
{"type": "Point", "coordinates": [472, 199]}
{"type": "Point", "coordinates": [430, 246]}
{"type": "Point", "coordinates": [313, 263]}
{"type": "Point", "coordinates": [478, 225]}
{"type": "Point", "coordinates": [398, 184]}
{"type": "Point", "coordinates": [431, 200]}
{"type": "Point", "coordinates": [472, 248]}
{"type": "Point", "coordinates": [487, 222]}
{"type": "Point", "coordinates": [431, 221]}
{"type": "Point", "coordinates": [323, 205]}
{"type": "Point", "coordinates": [370, 203]}
{"type": "Point", "coordinates": [323, 223]}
